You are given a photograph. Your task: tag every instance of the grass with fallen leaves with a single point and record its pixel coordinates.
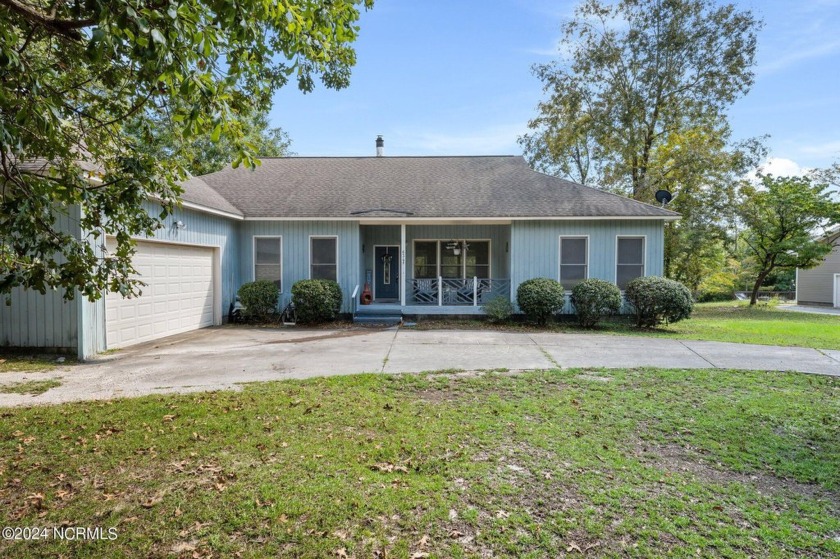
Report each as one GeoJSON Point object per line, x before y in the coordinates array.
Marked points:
{"type": "Point", "coordinates": [635, 463]}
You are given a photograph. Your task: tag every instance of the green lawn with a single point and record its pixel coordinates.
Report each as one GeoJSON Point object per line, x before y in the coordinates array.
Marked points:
{"type": "Point", "coordinates": [762, 324]}
{"type": "Point", "coordinates": [722, 322]}
{"type": "Point", "coordinates": [629, 463]}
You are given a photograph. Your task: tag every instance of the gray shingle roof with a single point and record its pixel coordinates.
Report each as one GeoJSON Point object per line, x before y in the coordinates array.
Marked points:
{"type": "Point", "coordinates": [414, 187]}
{"type": "Point", "coordinates": [197, 191]}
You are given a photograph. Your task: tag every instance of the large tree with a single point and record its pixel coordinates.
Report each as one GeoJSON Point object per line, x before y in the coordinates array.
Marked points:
{"type": "Point", "coordinates": [637, 74]}
{"type": "Point", "coordinates": [72, 72]}
{"type": "Point", "coordinates": [159, 137]}
{"type": "Point", "coordinates": [785, 220]}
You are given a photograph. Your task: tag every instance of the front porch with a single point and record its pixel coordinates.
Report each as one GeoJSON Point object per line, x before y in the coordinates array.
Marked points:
{"type": "Point", "coordinates": [431, 269]}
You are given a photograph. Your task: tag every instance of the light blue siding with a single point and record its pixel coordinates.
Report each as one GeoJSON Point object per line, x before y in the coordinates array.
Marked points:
{"type": "Point", "coordinates": [296, 236]}
{"type": "Point", "coordinates": [535, 246]}
{"type": "Point", "coordinates": [43, 321]}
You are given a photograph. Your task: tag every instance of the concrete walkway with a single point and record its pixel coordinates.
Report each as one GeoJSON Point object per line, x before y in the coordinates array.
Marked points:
{"type": "Point", "coordinates": [810, 309]}
{"type": "Point", "coordinates": [220, 358]}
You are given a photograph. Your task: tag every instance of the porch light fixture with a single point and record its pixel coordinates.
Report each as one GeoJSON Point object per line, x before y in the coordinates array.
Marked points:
{"type": "Point", "coordinates": [457, 246]}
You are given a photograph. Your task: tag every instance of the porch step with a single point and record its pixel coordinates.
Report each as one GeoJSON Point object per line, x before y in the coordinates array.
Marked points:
{"type": "Point", "coordinates": [378, 310]}
{"type": "Point", "coordinates": [389, 320]}
{"type": "Point", "coordinates": [378, 314]}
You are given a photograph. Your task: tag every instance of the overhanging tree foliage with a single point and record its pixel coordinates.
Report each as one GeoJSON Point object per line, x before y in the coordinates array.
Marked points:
{"type": "Point", "coordinates": [637, 74]}
{"type": "Point", "coordinates": [785, 220]}
{"type": "Point", "coordinates": [72, 73]}
{"type": "Point", "coordinates": [159, 137]}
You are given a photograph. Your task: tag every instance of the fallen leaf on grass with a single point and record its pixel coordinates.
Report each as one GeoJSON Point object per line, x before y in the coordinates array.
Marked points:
{"type": "Point", "coordinates": [388, 468]}
{"type": "Point", "coordinates": [149, 503]}
{"type": "Point", "coordinates": [169, 417]}
{"type": "Point", "coordinates": [424, 541]}
{"type": "Point", "coordinates": [419, 555]}
{"type": "Point", "coordinates": [341, 553]}
{"type": "Point", "coordinates": [37, 499]}
{"type": "Point", "coordinates": [455, 534]}
{"type": "Point", "coordinates": [182, 547]}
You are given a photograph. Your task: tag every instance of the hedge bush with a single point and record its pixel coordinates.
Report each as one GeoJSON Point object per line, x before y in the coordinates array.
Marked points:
{"type": "Point", "coordinates": [656, 300]}
{"type": "Point", "coordinates": [498, 309]}
{"type": "Point", "coordinates": [540, 298]}
{"type": "Point", "coordinates": [594, 299]}
{"type": "Point", "coordinates": [259, 299]}
{"type": "Point", "coordinates": [316, 300]}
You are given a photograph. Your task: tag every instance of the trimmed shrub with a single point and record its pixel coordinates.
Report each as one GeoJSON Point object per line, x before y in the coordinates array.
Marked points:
{"type": "Point", "coordinates": [316, 300]}
{"type": "Point", "coordinates": [656, 300]}
{"type": "Point", "coordinates": [259, 299]}
{"type": "Point", "coordinates": [539, 298]}
{"type": "Point", "coordinates": [594, 299]}
{"type": "Point", "coordinates": [498, 309]}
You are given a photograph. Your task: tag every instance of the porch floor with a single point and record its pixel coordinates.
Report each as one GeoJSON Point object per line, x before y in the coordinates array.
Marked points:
{"type": "Point", "coordinates": [449, 310]}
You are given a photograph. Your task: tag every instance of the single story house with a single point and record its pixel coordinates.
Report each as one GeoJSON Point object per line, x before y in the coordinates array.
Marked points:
{"type": "Point", "coordinates": [431, 235]}
{"type": "Point", "coordinates": [821, 285]}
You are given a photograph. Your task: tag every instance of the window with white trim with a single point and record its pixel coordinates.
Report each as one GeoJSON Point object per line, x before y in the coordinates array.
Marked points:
{"type": "Point", "coordinates": [323, 258]}
{"type": "Point", "coordinates": [630, 260]}
{"type": "Point", "coordinates": [268, 260]}
{"type": "Point", "coordinates": [574, 265]}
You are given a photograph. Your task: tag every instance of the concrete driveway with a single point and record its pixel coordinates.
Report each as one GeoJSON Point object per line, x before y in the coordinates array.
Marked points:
{"type": "Point", "coordinates": [224, 357]}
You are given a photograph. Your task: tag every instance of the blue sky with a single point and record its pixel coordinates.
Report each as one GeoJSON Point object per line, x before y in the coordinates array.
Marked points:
{"type": "Point", "coordinates": [454, 78]}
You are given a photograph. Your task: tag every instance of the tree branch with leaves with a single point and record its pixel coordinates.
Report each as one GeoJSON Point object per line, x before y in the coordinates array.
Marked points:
{"type": "Point", "coordinates": [73, 73]}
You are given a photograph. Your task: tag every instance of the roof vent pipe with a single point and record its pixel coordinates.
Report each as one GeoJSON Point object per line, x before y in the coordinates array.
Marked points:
{"type": "Point", "coordinates": [380, 146]}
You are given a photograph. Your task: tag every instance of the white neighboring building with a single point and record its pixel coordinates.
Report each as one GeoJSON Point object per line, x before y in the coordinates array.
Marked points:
{"type": "Point", "coordinates": [821, 285]}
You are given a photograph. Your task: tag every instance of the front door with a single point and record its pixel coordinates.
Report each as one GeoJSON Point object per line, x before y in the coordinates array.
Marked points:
{"type": "Point", "coordinates": [386, 265]}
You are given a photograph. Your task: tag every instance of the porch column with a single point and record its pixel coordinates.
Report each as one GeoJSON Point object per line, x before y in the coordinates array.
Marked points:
{"type": "Point", "coordinates": [403, 282]}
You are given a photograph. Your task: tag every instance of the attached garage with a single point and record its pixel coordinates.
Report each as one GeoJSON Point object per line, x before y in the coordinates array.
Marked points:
{"type": "Point", "coordinates": [180, 294]}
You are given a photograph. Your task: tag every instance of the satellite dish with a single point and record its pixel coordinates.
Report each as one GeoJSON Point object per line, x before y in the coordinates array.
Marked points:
{"type": "Point", "coordinates": [663, 196]}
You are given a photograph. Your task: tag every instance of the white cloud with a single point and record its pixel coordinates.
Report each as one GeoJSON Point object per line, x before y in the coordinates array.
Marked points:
{"type": "Point", "coordinates": [782, 167]}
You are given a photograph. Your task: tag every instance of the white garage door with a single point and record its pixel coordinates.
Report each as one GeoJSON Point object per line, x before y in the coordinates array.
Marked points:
{"type": "Point", "coordinates": [178, 296]}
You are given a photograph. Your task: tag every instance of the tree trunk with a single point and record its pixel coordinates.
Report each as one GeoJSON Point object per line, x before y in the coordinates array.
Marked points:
{"type": "Point", "coordinates": [758, 282]}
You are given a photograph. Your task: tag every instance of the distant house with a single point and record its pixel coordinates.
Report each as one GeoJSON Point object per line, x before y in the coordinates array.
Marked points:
{"type": "Point", "coordinates": [431, 235]}
{"type": "Point", "coordinates": [821, 285]}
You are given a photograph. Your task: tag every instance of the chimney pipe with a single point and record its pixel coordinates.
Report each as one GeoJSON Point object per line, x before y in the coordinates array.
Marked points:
{"type": "Point", "coordinates": [380, 146]}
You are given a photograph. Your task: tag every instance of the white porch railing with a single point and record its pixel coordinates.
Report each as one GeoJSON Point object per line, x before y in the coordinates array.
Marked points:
{"type": "Point", "coordinates": [456, 291]}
